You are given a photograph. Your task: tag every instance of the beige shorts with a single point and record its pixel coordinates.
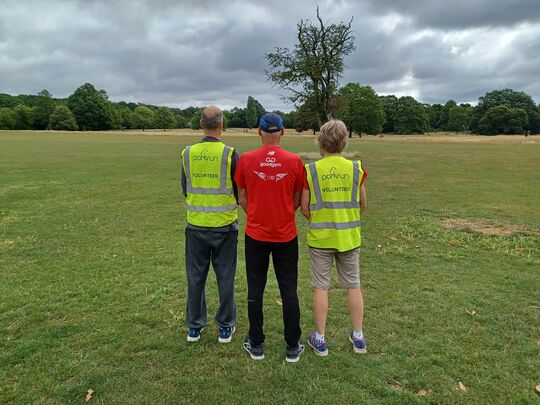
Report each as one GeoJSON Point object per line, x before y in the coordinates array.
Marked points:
{"type": "Point", "coordinates": [347, 264]}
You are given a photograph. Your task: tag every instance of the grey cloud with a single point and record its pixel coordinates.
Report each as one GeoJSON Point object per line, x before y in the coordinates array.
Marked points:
{"type": "Point", "coordinates": [461, 13]}
{"type": "Point", "coordinates": [196, 52]}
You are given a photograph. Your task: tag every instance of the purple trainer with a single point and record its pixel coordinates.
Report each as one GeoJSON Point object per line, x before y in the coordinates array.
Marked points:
{"type": "Point", "coordinates": [359, 345]}
{"type": "Point", "coordinates": [318, 346]}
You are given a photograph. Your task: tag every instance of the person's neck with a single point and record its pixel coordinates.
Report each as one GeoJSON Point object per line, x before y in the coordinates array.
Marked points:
{"type": "Point", "coordinates": [271, 140]}
{"type": "Point", "coordinates": [212, 134]}
{"type": "Point", "coordinates": [326, 154]}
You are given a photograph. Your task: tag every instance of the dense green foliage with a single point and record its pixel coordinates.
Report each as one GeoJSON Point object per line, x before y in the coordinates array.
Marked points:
{"type": "Point", "coordinates": [164, 118]}
{"type": "Point", "coordinates": [251, 113]}
{"type": "Point", "coordinates": [459, 118]}
{"type": "Point", "coordinates": [358, 106]}
{"type": "Point", "coordinates": [43, 109]}
{"type": "Point", "coordinates": [390, 108]}
{"type": "Point", "coordinates": [91, 108]}
{"type": "Point", "coordinates": [24, 117]}
{"type": "Point", "coordinates": [502, 119]}
{"type": "Point", "coordinates": [306, 117]}
{"type": "Point", "coordinates": [63, 119]}
{"type": "Point", "coordinates": [362, 111]}
{"type": "Point", "coordinates": [93, 285]}
{"type": "Point", "coordinates": [143, 117]}
{"type": "Point", "coordinates": [411, 117]}
{"type": "Point", "coordinates": [7, 118]}
{"type": "Point", "coordinates": [514, 121]}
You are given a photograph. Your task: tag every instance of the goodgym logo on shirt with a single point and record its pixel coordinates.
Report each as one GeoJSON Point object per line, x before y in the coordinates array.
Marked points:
{"type": "Point", "coordinates": [270, 161]}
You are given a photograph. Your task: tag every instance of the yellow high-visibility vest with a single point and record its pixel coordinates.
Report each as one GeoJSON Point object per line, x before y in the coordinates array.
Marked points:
{"type": "Point", "coordinates": [334, 184]}
{"type": "Point", "coordinates": [210, 199]}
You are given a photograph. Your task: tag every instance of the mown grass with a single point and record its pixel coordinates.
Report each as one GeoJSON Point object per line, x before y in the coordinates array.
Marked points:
{"type": "Point", "coordinates": [92, 280]}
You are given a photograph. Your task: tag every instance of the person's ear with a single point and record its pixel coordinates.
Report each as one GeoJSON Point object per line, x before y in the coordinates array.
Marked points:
{"type": "Point", "coordinates": [282, 132]}
{"type": "Point", "coordinates": [259, 131]}
{"type": "Point", "coordinates": [201, 124]}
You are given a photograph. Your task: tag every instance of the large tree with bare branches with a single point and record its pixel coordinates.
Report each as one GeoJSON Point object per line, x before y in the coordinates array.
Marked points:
{"type": "Point", "coordinates": [312, 69]}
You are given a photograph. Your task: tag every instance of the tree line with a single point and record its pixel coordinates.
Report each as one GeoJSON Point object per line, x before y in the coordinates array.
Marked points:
{"type": "Point", "coordinates": [364, 112]}
{"type": "Point", "coordinates": [310, 72]}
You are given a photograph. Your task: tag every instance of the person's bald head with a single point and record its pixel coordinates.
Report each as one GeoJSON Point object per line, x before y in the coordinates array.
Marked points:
{"type": "Point", "coordinates": [212, 119]}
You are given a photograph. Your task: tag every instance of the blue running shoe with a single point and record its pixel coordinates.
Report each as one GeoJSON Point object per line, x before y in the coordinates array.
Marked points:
{"type": "Point", "coordinates": [293, 352]}
{"type": "Point", "coordinates": [194, 334]}
{"type": "Point", "coordinates": [359, 345]}
{"type": "Point", "coordinates": [255, 352]}
{"type": "Point", "coordinates": [225, 334]}
{"type": "Point", "coordinates": [318, 346]}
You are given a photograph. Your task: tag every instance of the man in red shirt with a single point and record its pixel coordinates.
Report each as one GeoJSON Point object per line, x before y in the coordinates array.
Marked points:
{"type": "Point", "coordinates": [270, 182]}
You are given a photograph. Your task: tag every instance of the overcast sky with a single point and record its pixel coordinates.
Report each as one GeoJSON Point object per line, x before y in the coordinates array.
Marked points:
{"type": "Point", "coordinates": [199, 52]}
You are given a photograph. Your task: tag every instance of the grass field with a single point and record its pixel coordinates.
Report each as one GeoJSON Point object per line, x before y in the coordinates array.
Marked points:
{"type": "Point", "coordinates": [92, 279]}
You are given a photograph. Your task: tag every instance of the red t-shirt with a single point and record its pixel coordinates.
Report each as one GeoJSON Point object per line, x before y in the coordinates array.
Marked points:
{"type": "Point", "coordinates": [271, 176]}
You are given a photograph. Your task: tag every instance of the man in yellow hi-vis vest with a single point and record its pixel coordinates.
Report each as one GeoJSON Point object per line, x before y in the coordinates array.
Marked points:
{"type": "Point", "coordinates": [332, 199]}
{"type": "Point", "coordinates": [212, 225]}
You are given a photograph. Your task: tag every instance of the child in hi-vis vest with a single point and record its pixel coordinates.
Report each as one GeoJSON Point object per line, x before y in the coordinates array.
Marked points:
{"type": "Point", "coordinates": [333, 197]}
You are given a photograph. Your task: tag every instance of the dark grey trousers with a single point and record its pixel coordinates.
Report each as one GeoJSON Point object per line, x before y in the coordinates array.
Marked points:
{"type": "Point", "coordinates": [203, 247]}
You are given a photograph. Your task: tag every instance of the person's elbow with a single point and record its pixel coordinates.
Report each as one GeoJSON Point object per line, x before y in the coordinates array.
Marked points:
{"type": "Point", "coordinates": [363, 206]}
{"type": "Point", "coordinates": [242, 199]}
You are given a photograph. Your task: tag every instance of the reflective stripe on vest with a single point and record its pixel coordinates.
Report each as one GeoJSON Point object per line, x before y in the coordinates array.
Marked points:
{"type": "Point", "coordinates": [335, 225]}
{"type": "Point", "coordinates": [220, 208]}
{"type": "Point", "coordinates": [222, 176]}
{"type": "Point", "coordinates": [319, 204]}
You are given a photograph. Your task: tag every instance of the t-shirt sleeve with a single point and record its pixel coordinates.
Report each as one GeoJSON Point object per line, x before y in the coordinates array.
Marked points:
{"type": "Point", "coordinates": [364, 175]}
{"type": "Point", "coordinates": [299, 183]}
{"type": "Point", "coordinates": [239, 174]}
{"type": "Point", "coordinates": [306, 184]}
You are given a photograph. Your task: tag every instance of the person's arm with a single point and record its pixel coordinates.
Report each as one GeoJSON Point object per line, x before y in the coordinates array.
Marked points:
{"type": "Point", "coordinates": [296, 199]}
{"type": "Point", "coordinates": [363, 198]}
{"type": "Point", "coordinates": [183, 178]}
{"type": "Point", "coordinates": [304, 203]}
{"type": "Point", "coordinates": [242, 199]}
{"type": "Point", "coordinates": [299, 183]}
{"type": "Point", "coordinates": [234, 162]}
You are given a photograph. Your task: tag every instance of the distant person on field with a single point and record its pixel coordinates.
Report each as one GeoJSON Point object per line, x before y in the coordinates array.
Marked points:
{"type": "Point", "coordinates": [212, 225]}
{"type": "Point", "coordinates": [333, 197]}
{"type": "Point", "coordinates": [270, 181]}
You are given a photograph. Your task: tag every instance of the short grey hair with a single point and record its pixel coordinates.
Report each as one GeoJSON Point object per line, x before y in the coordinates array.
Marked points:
{"type": "Point", "coordinates": [213, 121]}
{"type": "Point", "coordinates": [333, 136]}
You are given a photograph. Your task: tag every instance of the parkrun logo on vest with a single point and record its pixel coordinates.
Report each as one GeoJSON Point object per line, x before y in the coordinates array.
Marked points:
{"type": "Point", "coordinates": [333, 175]}
{"type": "Point", "coordinates": [203, 156]}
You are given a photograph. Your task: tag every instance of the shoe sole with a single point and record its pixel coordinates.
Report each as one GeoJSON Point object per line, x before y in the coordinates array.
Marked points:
{"type": "Point", "coordinates": [227, 340]}
{"type": "Point", "coordinates": [317, 352]}
{"type": "Point", "coordinates": [356, 350]}
{"type": "Point", "coordinates": [252, 355]}
{"type": "Point", "coordinates": [294, 359]}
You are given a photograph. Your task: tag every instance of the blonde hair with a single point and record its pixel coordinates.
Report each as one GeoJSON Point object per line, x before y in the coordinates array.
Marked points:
{"type": "Point", "coordinates": [333, 136]}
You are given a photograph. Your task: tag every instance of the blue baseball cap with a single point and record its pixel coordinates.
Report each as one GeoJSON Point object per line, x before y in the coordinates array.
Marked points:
{"type": "Point", "coordinates": [271, 122]}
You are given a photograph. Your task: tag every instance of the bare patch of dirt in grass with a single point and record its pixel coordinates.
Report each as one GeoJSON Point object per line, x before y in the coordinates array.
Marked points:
{"type": "Point", "coordinates": [484, 227]}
